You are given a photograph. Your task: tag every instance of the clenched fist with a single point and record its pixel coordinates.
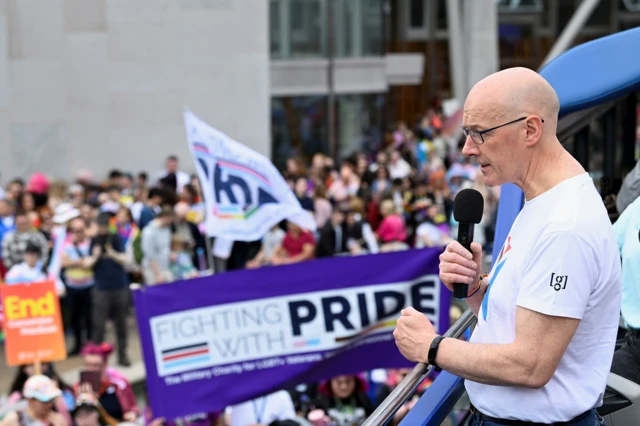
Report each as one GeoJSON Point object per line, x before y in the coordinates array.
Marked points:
{"type": "Point", "coordinates": [414, 334]}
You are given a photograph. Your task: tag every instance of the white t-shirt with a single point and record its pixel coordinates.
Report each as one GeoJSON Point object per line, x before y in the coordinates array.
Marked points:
{"type": "Point", "coordinates": [23, 273]}
{"type": "Point", "coordinates": [264, 410]}
{"type": "Point", "coordinates": [561, 259]}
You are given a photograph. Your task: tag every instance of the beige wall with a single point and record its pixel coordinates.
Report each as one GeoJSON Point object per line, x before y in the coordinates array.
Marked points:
{"type": "Point", "coordinates": [100, 84]}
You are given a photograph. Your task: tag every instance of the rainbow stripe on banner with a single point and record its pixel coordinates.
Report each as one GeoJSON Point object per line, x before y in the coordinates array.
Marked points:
{"type": "Point", "coordinates": [186, 355]}
{"type": "Point", "coordinates": [245, 172]}
{"type": "Point", "coordinates": [200, 147]}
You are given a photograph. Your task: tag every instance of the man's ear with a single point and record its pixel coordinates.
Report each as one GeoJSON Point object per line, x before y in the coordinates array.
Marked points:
{"type": "Point", "coordinates": [533, 129]}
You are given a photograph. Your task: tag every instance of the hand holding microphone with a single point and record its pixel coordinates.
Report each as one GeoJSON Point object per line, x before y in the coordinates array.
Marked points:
{"type": "Point", "coordinates": [461, 262]}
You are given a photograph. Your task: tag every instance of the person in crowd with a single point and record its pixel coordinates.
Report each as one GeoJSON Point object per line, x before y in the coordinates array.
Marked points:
{"type": "Point", "coordinates": [392, 232]}
{"type": "Point", "coordinates": [15, 242]}
{"type": "Point", "coordinates": [78, 260]}
{"type": "Point", "coordinates": [30, 270]}
{"type": "Point", "coordinates": [58, 191]}
{"type": "Point", "coordinates": [156, 248]}
{"type": "Point", "coordinates": [14, 190]}
{"type": "Point", "coordinates": [28, 205]}
{"type": "Point", "coordinates": [89, 213]}
{"type": "Point", "coordinates": [188, 231]}
{"type": "Point", "coordinates": [114, 392]}
{"type": "Point", "coordinates": [62, 405]}
{"type": "Point", "coordinates": [360, 237]}
{"type": "Point", "coordinates": [630, 188]}
{"type": "Point", "coordinates": [381, 183]}
{"type": "Point", "coordinates": [38, 186]}
{"type": "Point", "coordinates": [89, 412]}
{"type": "Point", "coordinates": [296, 168]}
{"type": "Point", "coordinates": [298, 245]}
{"type": "Point", "coordinates": [7, 223]}
{"type": "Point", "coordinates": [398, 166]}
{"type": "Point", "coordinates": [62, 215]}
{"type": "Point", "coordinates": [347, 184]}
{"type": "Point", "coordinates": [41, 394]}
{"type": "Point", "coordinates": [270, 242]}
{"type": "Point", "coordinates": [428, 234]}
{"type": "Point", "coordinates": [171, 167]}
{"type": "Point", "coordinates": [556, 283]}
{"type": "Point", "coordinates": [344, 400]}
{"type": "Point", "coordinates": [151, 208]}
{"type": "Point", "coordinates": [626, 360]}
{"type": "Point", "coordinates": [264, 410]}
{"type": "Point", "coordinates": [181, 261]}
{"type": "Point", "coordinates": [110, 296]}
{"type": "Point", "coordinates": [76, 195]}
{"type": "Point", "coordinates": [333, 238]}
{"type": "Point", "coordinates": [300, 189]}
{"type": "Point", "coordinates": [321, 205]}
{"type": "Point", "coordinates": [46, 225]}
{"type": "Point", "coordinates": [122, 223]}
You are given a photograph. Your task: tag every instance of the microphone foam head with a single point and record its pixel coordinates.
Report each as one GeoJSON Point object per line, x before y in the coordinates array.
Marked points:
{"type": "Point", "coordinates": [468, 206]}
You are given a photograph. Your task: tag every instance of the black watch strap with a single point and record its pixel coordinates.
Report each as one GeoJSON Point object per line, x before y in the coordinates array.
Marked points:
{"type": "Point", "coordinates": [433, 352]}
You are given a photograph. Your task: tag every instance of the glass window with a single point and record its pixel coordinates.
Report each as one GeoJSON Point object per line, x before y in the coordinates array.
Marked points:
{"type": "Point", "coordinates": [519, 6]}
{"type": "Point", "coordinates": [441, 19]}
{"type": "Point", "coordinates": [274, 28]}
{"type": "Point", "coordinates": [630, 5]}
{"type": "Point", "coordinates": [358, 28]}
{"type": "Point", "coordinates": [305, 28]}
{"type": "Point", "coordinates": [417, 14]}
{"type": "Point", "coordinates": [601, 15]}
{"type": "Point", "coordinates": [372, 36]}
{"type": "Point", "coordinates": [298, 127]}
{"type": "Point", "coordinates": [360, 122]}
{"type": "Point", "coordinates": [298, 28]}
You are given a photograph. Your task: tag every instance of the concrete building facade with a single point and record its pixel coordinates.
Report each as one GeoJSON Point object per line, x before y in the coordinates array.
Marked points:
{"type": "Point", "coordinates": [100, 84]}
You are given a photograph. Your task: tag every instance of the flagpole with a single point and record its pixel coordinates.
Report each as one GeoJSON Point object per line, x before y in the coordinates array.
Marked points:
{"type": "Point", "coordinates": [207, 239]}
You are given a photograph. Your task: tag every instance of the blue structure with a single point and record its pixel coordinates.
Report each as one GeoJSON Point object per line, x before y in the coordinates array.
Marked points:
{"type": "Point", "coordinates": [588, 75]}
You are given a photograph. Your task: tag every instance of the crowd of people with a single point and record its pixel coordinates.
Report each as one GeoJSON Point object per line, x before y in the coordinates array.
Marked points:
{"type": "Point", "coordinates": [149, 230]}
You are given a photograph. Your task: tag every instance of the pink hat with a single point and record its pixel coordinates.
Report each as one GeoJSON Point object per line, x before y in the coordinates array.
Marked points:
{"type": "Point", "coordinates": [38, 184]}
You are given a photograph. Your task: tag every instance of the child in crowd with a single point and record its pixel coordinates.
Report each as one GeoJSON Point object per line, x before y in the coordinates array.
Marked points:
{"type": "Point", "coordinates": [30, 270]}
{"type": "Point", "coordinates": [181, 265]}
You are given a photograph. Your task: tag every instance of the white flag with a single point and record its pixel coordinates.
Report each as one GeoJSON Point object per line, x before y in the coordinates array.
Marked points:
{"type": "Point", "coordinates": [244, 193]}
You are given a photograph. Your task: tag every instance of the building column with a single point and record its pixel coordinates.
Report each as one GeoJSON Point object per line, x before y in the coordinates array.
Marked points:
{"type": "Point", "coordinates": [481, 40]}
{"type": "Point", "coordinates": [456, 51]}
{"type": "Point", "coordinates": [285, 29]}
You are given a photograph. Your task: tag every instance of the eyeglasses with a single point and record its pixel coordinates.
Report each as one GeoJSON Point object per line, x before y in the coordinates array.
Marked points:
{"type": "Point", "coordinates": [477, 135]}
{"type": "Point", "coordinates": [77, 230]}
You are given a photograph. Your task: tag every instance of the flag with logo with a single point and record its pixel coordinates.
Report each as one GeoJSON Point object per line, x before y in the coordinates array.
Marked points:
{"type": "Point", "coordinates": [245, 195]}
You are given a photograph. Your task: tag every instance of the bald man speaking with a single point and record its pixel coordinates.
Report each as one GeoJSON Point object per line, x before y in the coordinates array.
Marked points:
{"type": "Point", "coordinates": [548, 311]}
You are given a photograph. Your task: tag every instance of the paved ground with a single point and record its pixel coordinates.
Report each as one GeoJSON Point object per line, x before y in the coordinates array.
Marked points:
{"type": "Point", "coordinates": [69, 369]}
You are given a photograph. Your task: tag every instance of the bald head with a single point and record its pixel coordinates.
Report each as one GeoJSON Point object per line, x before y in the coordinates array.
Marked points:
{"type": "Point", "coordinates": [515, 91]}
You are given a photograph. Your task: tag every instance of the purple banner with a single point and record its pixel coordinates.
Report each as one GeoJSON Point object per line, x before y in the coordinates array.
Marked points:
{"type": "Point", "coordinates": [216, 341]}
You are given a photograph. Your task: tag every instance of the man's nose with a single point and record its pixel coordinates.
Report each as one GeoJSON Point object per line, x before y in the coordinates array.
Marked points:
{"type": "Point", "coordinates": [470, 148]}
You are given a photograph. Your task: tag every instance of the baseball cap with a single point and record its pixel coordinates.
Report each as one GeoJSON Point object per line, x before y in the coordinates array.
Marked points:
{"type": "Point", "coordinates": [64, 213]}
{"type": "Point", "coordinates": [41, 388]}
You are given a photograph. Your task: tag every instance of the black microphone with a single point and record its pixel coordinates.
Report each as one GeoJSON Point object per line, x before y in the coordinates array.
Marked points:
{"type": "Point", "coordinates": [467, 211]}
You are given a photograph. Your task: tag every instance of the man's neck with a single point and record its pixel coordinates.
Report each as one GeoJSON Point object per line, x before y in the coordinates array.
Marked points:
{"type": "Point", "coordinates": [548, 169]}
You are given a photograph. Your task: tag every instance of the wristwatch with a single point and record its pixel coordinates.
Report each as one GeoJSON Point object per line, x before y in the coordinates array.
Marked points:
{"type": "Point", "coordinates": [433, 352]}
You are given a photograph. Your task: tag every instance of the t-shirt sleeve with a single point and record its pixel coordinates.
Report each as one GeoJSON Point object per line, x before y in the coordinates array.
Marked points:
{"type": "Point", "coordinates": [560, 276]}
{"type": "Point", "coordinates": [308, 238]}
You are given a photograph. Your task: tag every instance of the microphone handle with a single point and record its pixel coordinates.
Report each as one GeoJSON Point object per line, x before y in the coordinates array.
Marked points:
{"type": "Point", "coordinates": [465, 238]}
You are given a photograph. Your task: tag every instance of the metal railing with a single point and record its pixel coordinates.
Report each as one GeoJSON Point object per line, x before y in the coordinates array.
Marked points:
{"type": "Point", "coordinates": [407, 387]}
